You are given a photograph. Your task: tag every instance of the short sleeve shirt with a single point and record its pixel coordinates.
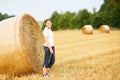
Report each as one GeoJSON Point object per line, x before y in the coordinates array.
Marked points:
{"type": "Point", "coordinates": [49, 34]}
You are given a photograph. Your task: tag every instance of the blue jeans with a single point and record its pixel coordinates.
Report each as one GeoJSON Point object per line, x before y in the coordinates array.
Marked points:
{"type": "Point", "coordinates": [49, 59]}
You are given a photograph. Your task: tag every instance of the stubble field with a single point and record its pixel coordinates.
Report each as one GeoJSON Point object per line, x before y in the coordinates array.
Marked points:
{"type": "Point", "coordinates": [82, 57]}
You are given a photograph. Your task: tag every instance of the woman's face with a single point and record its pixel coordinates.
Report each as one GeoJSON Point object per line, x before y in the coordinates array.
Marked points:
{"type": "Point", "coordinates": [49, 24]}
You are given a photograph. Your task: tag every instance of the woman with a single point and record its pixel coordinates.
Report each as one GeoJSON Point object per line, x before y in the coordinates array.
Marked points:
{"type": "Point", "coordinates": [49, 58]}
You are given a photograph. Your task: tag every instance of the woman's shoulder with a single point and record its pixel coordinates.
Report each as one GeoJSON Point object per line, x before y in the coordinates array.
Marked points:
{"type": "Point", "coordinates": [45, 29]}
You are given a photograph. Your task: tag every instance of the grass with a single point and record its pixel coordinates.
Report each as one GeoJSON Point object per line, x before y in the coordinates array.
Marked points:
{"type": "Point", "coordinates": [82, 57]}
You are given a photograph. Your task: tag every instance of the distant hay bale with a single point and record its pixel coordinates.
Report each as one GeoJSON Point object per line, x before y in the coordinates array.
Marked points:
{"type": "Point", "coordinates": [104, 29]}
{"type": "Point", "coordinates": [87, 29]}
{"type": "Point", "coordinates": [21, 45]}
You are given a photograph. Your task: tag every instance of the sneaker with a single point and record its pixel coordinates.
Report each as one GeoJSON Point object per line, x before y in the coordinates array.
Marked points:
{"type": "Point", "coordinates": [46, 75]}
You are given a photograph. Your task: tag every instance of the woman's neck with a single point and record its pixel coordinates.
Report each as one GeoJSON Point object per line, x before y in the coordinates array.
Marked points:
{"type": "Point", "coordinates": [48, 27]}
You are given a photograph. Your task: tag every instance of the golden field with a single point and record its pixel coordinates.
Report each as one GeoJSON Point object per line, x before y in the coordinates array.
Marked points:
{"type": "Point", "coordinates": [82, 57]}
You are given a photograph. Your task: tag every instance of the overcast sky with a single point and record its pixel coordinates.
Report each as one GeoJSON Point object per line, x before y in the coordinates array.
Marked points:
{"type": "Point", "coordinates": [42, 9]}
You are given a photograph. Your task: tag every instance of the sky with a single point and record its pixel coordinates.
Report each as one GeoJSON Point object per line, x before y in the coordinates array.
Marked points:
{"type": "Point", "coordinates": [43, 9]}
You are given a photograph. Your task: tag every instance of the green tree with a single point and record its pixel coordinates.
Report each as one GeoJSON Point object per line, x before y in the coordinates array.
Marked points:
{"type": "Point", "coordinates": [4, 16]}
{"type": "Point", "coordinates": [107, 15]}
{"type": "Point", "coordinates": [55, 19]}
{"type": "Point", "coordinates": [82, 17]}
{"type": "Point", "coordinates": [116, 16]}
{"type": "Point", "coordinates": [67, 20]}
{"type": "Point", "coordinates": [110, 13]}
{"type": "Point", "coordinates": [63, 20]}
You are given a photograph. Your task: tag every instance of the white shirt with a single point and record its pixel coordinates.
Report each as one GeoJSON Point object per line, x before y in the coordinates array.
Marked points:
{"type": "Point", "coordinates": [49, 34]}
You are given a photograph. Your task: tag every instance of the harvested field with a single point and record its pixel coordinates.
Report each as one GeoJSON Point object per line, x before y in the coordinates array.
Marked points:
{"type": "Point", "coordinates": [83, 57]}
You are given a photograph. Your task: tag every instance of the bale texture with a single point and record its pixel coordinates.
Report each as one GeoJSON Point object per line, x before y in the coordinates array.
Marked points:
{"type": "Point", "coordinates": [87, 29]}
{"type": "Point", "coordinates": [104, 29]}
{"type": "Point", "coordinates": [21, 45]}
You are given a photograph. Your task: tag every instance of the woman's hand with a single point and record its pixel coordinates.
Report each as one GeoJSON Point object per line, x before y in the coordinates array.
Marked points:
{"type": "Point", "coordinates": [51, 51]}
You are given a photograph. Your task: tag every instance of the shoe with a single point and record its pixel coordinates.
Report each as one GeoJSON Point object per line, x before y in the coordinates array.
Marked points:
{"type": "Point", "coordinates": [46, 75]}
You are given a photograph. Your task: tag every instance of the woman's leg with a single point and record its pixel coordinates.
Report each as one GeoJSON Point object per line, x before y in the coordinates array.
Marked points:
{"type": "Point", "coordinates": [46, 57]}
{"type": "Point", "coordinates": [45, 70]}
{"type": "Point", "coordinates": [52, 61]}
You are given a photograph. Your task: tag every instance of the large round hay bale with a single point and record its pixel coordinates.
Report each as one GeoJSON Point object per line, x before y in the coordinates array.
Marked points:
{"type": "Point", "coordinates": [87, 29]}
{"type": "Point", "coordinates": [21, 45]}
{"type": "Point", "coordinates": [104, 29]}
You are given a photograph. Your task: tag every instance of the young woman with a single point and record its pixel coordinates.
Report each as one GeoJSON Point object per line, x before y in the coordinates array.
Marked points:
{"type": "Point", "coordinates": [49, 57]}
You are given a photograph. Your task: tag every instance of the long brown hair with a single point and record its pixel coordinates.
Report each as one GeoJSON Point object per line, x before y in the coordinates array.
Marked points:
{"type": "Point", "coordinates": [44, 23]}
{"type": "Point", "coordinates": [48, 20]}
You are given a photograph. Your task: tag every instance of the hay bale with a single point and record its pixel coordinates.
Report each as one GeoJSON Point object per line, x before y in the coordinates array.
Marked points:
{"type": "Point", "coordinates": [87, 29]}
{"type": "Point", "coordinates": [21, 45]}
{"type": "Point", "coordinates": [104, 29]}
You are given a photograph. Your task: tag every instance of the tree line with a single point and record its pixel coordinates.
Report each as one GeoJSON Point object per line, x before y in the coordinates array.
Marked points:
{"type": "Point", "coordinates": [5, 16]}
{"type": "Point", "coordinates": [109, 14]}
